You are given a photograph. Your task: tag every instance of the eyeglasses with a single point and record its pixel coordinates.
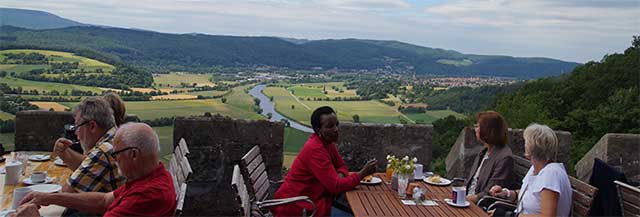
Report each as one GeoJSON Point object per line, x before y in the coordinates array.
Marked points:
{"type": "Point", "coordinates": [72, 127]}
{"type": "Point", "coordinates": [115, 153]}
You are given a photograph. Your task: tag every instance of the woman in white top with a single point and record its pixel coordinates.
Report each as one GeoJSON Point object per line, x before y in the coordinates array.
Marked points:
{"type": "Point", "coordinates": [546, 190]}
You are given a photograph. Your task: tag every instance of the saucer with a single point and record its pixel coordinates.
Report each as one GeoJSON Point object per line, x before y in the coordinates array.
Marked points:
{"type": "Point", "coordinates": [46, 188]}
{"type": "Point", "coordinates": [443, 182]}
{"type": "Point", "coordinates": [419, 178]}
{"type": "Point", "coordinates": [450, 202]}
{"type": "Point", "coordinates": [28, 181]}
{"type": "Point", "coordinates": [39, 157]}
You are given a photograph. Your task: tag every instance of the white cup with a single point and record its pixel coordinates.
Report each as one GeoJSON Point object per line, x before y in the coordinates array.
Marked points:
{"type": "Point", "coordinates": [418, 172]}
{"type": "Point", "coordinates": [14, 172]}
{"type": "Point", "coordinates": [459, 195]}
{"type": "Point", "coordinates": [18, 194]}
{"type": "Point", "coordinates": [38, 176]}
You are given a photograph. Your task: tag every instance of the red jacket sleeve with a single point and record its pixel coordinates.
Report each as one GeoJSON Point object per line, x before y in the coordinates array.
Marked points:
{"type": "Point", "coordinates": [323, 169]}
{"type": "Point", "coordinates": [338, 162]}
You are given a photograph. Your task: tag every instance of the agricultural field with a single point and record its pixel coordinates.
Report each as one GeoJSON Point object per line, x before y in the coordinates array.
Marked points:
{"type": "Point", "coordinates": [84, 63]}
{"type": "Point", "coordinates": [6, 116]}
{"type": "Point", "coordinates": [50, 105]}
{"type": "Point", "coordinates": [45, 86]}
{"type": "Point", "coordinates": [311, 90]}
{"type": "Point", "coordinates": [368, 111]}
{"type": "Point", "coordinates": [207, 93]}
{"type": "Point", "coordinates": [174, 79]}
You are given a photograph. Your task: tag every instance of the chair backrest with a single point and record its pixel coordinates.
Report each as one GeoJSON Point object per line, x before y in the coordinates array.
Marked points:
{"type": "Point", "coordinates": [629, 199]}
{"type": "Point", "coordinates": [180, 201]}
{"type": "Point", "coordinates": [241, 194]}
{"type": "Point", "coordinates": [583, 195]}
{"type": "Point", "coordinates": [252, 165]}
{"type": "Point", "coordinates": [183, 147]}
{"type": "Point", "coordinates": [520, 168]}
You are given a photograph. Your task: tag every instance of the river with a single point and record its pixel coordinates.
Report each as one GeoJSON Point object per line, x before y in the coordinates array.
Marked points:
{"type": "Point", "coordinates": [267, 107]}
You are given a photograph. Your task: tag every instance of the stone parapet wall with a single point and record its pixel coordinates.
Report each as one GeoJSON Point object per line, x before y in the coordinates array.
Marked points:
{"type": "Point", "coordinates": [38, 130]}
{"type": "Point", "coordinates": [216, 144]}
{"type": "Point", "coordinates": [362, 142]}
{"type": "Point", "coordinates": [467, 147]}
{"type": "Point", "coordinates": [621, 151]}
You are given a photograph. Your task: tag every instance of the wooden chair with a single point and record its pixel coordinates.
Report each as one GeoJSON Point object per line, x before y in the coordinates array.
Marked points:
{"type": "Point", "coordinates": [629, 199]}
{"type": "Point", "coordinates": [249, 207]}
{"type": "Point", "coordinates": [252, 165]}
{"type": "Point", "coordinates": [520, 168]}
{"type": "Point", "coordinates": [582, 197]}
{"type": "Point", "coordinates": [180, 170]}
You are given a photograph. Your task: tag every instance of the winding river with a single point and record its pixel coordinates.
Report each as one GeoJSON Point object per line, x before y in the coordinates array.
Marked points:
{"type": "Point", "coordinates": [268, 107]}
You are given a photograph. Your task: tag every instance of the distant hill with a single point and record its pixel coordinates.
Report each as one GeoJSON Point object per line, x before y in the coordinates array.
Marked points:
{"type": "Point", "coordinates": [200, 52]}
{"type": "Point", "coordinates": [32, 19]}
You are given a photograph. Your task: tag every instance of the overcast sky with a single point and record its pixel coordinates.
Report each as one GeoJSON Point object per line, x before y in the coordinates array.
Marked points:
{"type": "Point", "coordinates": [573, 30]}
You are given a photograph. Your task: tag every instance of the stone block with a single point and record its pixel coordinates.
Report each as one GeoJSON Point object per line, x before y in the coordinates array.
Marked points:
{"type": "Point", "coordinates": [362, 142]}
{"type": "Point", "coordinates": [216, 144]}
{"type": "Point", "coordinates": [621, 151]}
{"type": "Point", "coordinates": [38, 130]}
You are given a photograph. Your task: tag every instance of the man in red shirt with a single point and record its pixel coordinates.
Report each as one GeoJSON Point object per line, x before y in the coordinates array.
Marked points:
{"type": "Point", "coordinates": [148, 191]}
{"type": "Point", "coordinates": [319, 171]}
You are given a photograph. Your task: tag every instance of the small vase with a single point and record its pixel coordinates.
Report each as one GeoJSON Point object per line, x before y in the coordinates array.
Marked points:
{"type": "Point", "coordinates": [403, 182]}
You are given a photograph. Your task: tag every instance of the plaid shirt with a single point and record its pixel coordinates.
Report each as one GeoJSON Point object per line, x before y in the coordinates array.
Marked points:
{"type": "Point", "coordinates": [98, 171]}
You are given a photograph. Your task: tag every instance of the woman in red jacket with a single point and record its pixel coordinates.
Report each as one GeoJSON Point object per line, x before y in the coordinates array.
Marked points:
{"type": "Point", "coordinates": [319, 171]}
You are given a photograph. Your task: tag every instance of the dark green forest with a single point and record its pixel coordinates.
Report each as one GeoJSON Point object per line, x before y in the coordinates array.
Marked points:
{"type": "Point", "coordinates": [198, 52]}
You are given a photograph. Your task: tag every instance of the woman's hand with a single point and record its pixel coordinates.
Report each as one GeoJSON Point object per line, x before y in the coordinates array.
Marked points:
{"type": "Point", "coordinates": [498, 191]}
{"type": "Point", "coordinates": [368, 169]}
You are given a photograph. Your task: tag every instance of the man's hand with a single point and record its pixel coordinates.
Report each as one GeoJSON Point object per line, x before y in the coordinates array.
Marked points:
{"type": "Point", "coordinates": [37, 198]}
{"type": "Point", "coordinates": [473, 198]}
{"type": "Point", "coordinates": [60, 147]}
{"type": "Point", "coordinates": [491, 212]}
{"type": "Point", "coordinates": [368, 169]}
{"type": "Point", "coordinates": [28, 209]}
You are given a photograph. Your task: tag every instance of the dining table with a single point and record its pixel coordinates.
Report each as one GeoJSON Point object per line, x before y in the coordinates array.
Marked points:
{"type": "Point", "coordinates": [58, 173]}
{"type": "Point", "coordinates": [382, 200]}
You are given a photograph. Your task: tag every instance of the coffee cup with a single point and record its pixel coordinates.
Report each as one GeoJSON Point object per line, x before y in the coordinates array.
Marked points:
{"type": "Point", "coordinates": [13, 172]}
{"type": "Point", "coordinates": [418, 172]}
{"type": "Point", "coordinates": [38, 176]}
{"type": "Point", "coordinates": [459, 195]}
{"type": "Point", "coordinates": [18, 194]}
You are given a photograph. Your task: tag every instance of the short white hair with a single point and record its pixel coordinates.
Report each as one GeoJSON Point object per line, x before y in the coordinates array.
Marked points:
{"type": "Point", "coordinates": [542, 141]}
{"type": "Point", "coordinates": [139, 135]}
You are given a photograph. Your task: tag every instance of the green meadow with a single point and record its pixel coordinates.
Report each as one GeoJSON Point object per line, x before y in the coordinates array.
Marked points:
{"type": "Point", "coordinates": [45, 86]}
{"type": "Point", "coordinates": [55, 56]}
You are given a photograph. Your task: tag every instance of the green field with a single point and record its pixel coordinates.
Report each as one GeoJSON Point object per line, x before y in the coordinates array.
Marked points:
{"type": "Point", "coordinates": [175, 78]}
{"type": "Point", "coordinates": [56, 56]}
{"type": "Point", "coordinates": [207, 93]}
{"type": "Point", "coordinates": [431, 116]}
{"type": "Point", "coordinates": [311, 90]}
{"type": "Point", "coordinates": [46, 86]}
{"type": "Point", "coordinates": [294, 140]}
{"type": "Point", "coordinates": [6, 116]}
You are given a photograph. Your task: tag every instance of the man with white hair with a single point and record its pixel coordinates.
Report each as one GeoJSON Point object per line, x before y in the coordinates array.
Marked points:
{"type": "Point", "coordinates": [148, 191]}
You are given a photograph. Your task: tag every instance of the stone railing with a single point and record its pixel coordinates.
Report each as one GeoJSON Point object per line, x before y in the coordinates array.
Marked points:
{"type": "Point", "coordinates": [621, 151]}
{"type": "Point", "coordinates": [362, 142]}
{"type": "Point", "coordinates": [216, 144]}
{"type": "Point", "coordinates": [466, 148]}
{"type": "Point", "coordinates": [38, 130]}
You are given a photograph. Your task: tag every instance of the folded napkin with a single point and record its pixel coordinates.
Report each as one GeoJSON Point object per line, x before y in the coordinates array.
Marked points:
{"type": "Point", "coordinates": [423, 203]}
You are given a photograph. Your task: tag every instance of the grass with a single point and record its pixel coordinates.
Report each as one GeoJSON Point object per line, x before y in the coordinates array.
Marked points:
{"type": "Point", "coordinates": [147, 110]}
{"type": "Point", "coordinates": [56, 56]}
{"type": "Point", "coordinates": [6, 116]}
{"type": "Point", "coordinates": [175, 78]}
{"type": "Point", "coordinates": [369, 111]}
{"type": "Point", "coordinates": [208, 93]}
{"type": "Point", "coordinates": [165, 134]}
{"type": "Point", "coordinates": [7, 140]}
{"type": "Point", "coordinates": [50, 105]}
{"type": "Point", "coordinates": [431, 116]}
{"type": "Point", "coordinates": [46, 86]}
{"type": "Point", "coordinates": [294, 139]}
{"type": "Point", "coordinates": [311, 90]}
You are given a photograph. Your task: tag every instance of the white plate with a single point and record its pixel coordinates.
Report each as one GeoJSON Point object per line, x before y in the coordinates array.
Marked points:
{"type": "Point", "coordinates": [28, 181]}
{"type": "Point", "coordinates": [39, 157]}
{"type": "Point", "coordinates": [46, 188]}
{"type": "Point", "coordinates": [450, 202]}
{"type": "Point", "coordinates": [59, 162]}
{"type": "Point", "coordinates": [443, 182]}
{"type": "Point", "coordinates": [374, 181]}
